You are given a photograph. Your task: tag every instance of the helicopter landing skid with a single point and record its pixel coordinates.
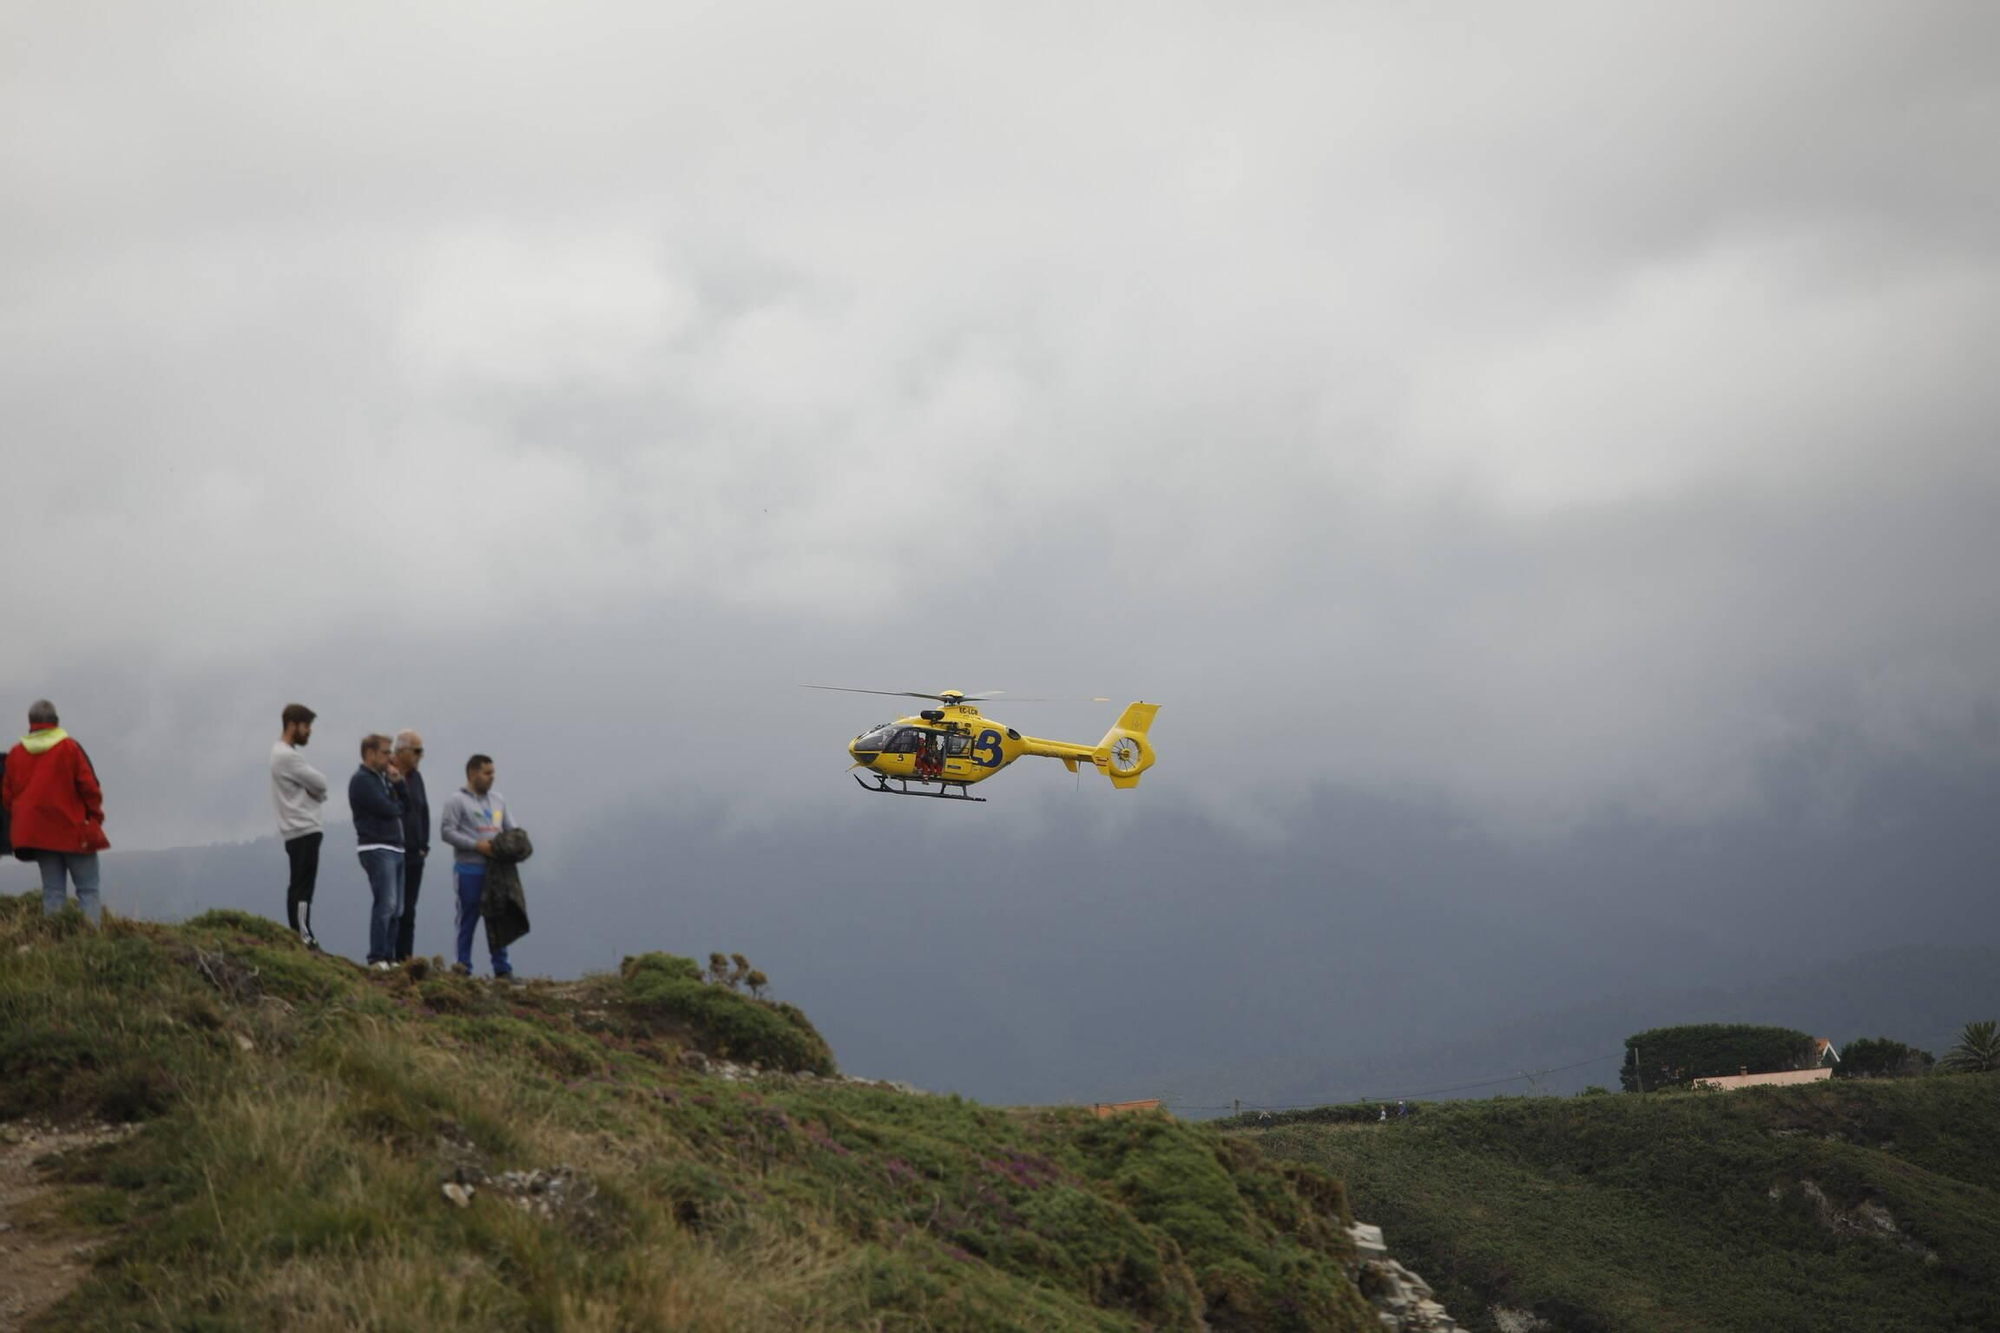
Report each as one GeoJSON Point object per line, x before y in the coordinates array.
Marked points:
{"type": "Point", "coordinates": [943, 793]}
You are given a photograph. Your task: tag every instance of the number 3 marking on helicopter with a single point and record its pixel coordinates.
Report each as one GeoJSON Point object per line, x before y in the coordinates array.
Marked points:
{"type": "Point", "coordinates": [988, 740]}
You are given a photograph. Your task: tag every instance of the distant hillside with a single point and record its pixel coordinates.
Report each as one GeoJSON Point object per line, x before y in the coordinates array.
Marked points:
{"type": "Point", "coordinates": [1848, 1205]}
{"type": "Point", "coordinates": [323, 1147]}
{"type": "Point", "coordinates": [1916, 994]}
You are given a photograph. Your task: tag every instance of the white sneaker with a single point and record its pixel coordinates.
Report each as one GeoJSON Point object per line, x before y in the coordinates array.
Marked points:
{"type": "Point", "coordinates": [382, 967]}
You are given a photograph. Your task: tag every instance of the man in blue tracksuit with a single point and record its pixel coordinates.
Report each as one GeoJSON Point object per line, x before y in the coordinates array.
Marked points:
{"type": "Point", "coordinates": [473, 816]}
{"type": "Point", "coordinates": [378, 832]}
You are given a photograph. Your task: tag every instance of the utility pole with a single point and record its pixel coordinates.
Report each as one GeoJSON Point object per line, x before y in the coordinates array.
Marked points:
{"type": "Point", "coordinates": [1638, 1071]}
{"type": "Point", "coordinates": [1236, 1106]}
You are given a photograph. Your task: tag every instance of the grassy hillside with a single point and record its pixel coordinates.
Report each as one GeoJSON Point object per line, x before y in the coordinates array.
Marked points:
{"type": "Point", "coordinates": [1848, 1205]}
{"type": "Point", "coordinates": [300, 1120]}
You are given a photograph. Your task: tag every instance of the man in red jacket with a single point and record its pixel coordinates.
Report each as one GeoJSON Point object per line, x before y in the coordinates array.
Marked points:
{"type": "Point", "coordinates": [56, 810]}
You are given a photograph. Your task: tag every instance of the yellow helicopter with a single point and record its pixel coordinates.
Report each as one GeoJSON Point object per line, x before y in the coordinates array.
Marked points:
{"type": "Point", "coordinates": [953, 746]}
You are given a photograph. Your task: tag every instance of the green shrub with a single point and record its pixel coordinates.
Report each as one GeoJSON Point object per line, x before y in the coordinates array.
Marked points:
{"type": "Point", "coordinates": [1671, 1056]}
{"type": "Point", "coordinates": [667, 965]}
{"type": "Point", "coordinates": [668, 991]}
{"type": "Point", "coordinates": [1880, 1057]}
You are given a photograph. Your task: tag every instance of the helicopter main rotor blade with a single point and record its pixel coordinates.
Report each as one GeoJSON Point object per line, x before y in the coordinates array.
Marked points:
{"type": "Point", "coordinates": [980, 697]}
{"type": "Point", "coordinates": [898, 694]}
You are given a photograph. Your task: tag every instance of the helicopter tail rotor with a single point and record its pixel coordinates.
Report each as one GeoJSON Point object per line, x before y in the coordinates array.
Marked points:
{"type": "Point", "coordinates": [1128, 747]}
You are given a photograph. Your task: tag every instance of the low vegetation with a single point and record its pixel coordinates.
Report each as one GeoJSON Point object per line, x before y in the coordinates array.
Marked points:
{"type": "Point", "coordinates": [321, 1147]}
{"type": "Point", "coordinates": [1863, 1204]}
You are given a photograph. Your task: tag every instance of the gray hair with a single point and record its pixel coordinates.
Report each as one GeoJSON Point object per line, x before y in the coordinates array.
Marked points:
{"type": "Point", "coordinates": [407, 739]}
{"type": "Point", "coordinates": [42, 713]}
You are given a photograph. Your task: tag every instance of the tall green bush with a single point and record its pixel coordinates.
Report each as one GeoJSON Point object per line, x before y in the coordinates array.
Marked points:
{"type": "Point", "coordinates": [1880, 1057]}
{"type": "Point", "coordinates": [1676, 1056]}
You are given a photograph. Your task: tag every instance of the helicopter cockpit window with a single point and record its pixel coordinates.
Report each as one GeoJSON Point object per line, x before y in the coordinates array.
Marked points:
{"type": "Point", "coordinates": [875, 738]}
{"type": "Point", "coordinates": [907, 741]}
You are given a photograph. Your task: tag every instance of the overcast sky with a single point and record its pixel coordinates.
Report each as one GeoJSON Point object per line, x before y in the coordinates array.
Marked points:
{"type": "Point", "coordinates": [1552, 405]}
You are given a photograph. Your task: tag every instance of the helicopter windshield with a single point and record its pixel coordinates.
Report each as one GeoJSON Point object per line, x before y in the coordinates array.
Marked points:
{"type": "Point", "coordinates": [876, 738]}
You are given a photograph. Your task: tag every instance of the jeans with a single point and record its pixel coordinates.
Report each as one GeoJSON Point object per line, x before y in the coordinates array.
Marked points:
{"type": "Point", "coordinates": [471, 887]}
{"type": "Point", "coordinates": [384, 868]}
{"type": "Point", "coordinates": [82, 868]}
{"type": "Point", "coordinates": [406, 929]}
{"type": "Point", "coordinates": [303, 854]}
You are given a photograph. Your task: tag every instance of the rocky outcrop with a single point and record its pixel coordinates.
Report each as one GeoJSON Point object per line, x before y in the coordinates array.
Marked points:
{"type": "Point", "coordinates": [1867, 1220]}
{"type": "Point", "coordinates": [1403, 1301]}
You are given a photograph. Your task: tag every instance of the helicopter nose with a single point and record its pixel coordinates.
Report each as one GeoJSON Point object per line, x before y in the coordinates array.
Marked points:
{"type": "Point", "coordinates": [866, 758]}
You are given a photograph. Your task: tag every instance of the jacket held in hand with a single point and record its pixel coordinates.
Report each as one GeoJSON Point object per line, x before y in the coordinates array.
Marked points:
{"type": "Point", "coordinates": [504, 905]}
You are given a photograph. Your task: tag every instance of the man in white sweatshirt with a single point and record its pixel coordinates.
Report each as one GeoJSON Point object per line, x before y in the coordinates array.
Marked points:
{"type": "Point", "coordinates": [298, 790]}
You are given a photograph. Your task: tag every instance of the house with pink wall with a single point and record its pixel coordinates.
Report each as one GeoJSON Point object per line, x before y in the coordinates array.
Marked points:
{"type": "Point", "coordinates": [1743, 1078]}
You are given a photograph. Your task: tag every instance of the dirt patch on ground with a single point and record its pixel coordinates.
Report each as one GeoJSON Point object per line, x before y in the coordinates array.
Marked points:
{"type": "Point", "coordinates": [39, 1261]}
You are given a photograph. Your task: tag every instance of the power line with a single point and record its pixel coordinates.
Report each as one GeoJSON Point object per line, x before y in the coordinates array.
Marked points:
{"type": "Point", "coordinates": [1494, 1082]}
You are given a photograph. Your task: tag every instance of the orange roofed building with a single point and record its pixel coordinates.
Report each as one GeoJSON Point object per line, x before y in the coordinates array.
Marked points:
{"type": "Point", "coordinates": [1105, 1110]}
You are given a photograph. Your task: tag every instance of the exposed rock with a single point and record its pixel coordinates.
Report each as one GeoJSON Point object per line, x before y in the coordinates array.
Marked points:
{"type": "Point", "coordinates": [1403, 1301]}
{"type": "Point", "coordinates": [731, 1072]}
{"type": "Point", "coordinates": [1367, 1240]}
{"type": "Point", "coordinates": [458, 1194]}
{"type": "Point", "coordinates": [1867, 1220]}
{"type": "Point", "coordinates": [1517, 1321]}
{"type": "Point", "coordinates": [559, 1192]}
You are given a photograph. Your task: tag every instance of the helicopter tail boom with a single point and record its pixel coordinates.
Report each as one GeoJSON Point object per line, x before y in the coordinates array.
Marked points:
{"type": "Point", "coordinates": [1125, 752]}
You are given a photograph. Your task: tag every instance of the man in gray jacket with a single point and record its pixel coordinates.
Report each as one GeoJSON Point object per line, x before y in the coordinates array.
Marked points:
{"type": "Point", "coordinates": [473, 816]}
{"type": "Point", "coordinates": [298, 790]}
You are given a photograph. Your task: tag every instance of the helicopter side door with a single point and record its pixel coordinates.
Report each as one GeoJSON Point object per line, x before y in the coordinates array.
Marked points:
{"type": "Point", "coordinates": [958, 764]}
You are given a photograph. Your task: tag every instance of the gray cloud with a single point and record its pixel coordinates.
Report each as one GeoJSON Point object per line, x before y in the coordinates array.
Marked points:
{"type": "Point", "coordinates": [1555, 407]}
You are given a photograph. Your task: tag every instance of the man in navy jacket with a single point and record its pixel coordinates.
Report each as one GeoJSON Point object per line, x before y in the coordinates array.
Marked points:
{"type": "Point", "coordinates": [378, 831]}
{"type": "Point", "coordinates": [404, 768]}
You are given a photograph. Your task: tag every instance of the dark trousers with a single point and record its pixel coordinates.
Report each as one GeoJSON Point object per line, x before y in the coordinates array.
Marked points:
{"type": "Point", "coordinates": [406, 929]}
{"type": "Point", "coordinates": [303, 853]}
